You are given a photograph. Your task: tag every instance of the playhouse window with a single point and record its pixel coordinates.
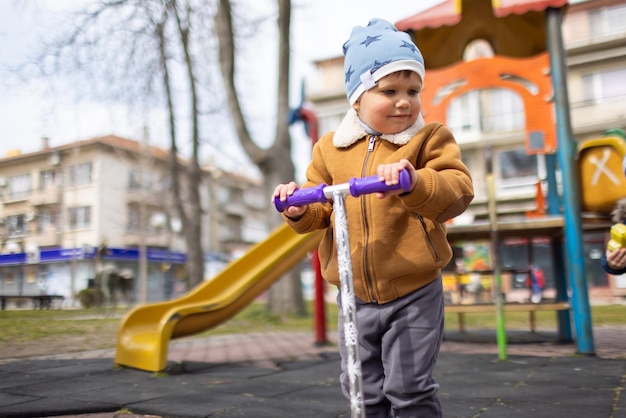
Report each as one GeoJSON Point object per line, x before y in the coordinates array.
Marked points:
{"type": "Point", "coordinates": [485, 111]}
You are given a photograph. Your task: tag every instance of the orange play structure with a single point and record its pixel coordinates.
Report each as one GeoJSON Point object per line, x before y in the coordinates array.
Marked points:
{"type": "Point", "coordinates": [528, 77]}
{"type": "Point", "coordinates": [516, 32]}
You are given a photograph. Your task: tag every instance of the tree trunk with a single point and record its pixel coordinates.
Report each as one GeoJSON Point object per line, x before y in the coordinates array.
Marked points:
{"type": "Point", "coordinates": [191, 222]}
{"type": "Point", "coordinates": [193, 229]}
{"type": "Point", "coordinates": [275, 162]}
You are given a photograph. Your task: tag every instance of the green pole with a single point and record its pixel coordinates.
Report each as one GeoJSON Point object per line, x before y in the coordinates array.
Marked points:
{"type": "Point", "coordinates": [495, 253]}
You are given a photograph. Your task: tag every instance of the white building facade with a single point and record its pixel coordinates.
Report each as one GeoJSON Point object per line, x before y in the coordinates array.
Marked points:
{"type": "Point", "coordinates": [57, 205]}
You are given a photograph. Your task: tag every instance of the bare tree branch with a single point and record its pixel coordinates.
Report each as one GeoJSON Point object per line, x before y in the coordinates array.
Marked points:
{"type": "Point", "coordinates": [224, 30]}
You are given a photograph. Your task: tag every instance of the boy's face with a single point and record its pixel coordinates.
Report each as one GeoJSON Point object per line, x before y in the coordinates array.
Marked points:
{"type": "Point", "coordinates": [393, 104]}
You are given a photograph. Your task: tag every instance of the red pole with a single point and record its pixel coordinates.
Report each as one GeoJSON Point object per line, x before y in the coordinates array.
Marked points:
{"type": "Point", "coordinates": [320, 306]}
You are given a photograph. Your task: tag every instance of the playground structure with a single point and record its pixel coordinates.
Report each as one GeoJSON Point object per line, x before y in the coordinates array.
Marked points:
{"type": "Point", "coordinates": [538, 63]}
{"type": "Point", "coordinates": [528, 58]}
{"type": "Point", "coordinates": [602, 172]}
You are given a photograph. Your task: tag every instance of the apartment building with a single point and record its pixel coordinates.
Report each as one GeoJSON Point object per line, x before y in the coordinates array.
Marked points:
{"type": "Point", "coordinates": [595, 43]}
{"type": "Point", "coordinates": [58, 204]}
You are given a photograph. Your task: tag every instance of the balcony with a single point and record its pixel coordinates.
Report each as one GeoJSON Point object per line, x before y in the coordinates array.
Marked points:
{"type": "Point", "coordinates": [133, 239]}
{"type": "Point", "coordinates": [589, 117]}
{"type": "Point", "coordinates": [47, 237]}
{"type": "Point", "coordinates": [15, 198]}
{"type": "Point", "coordinates": [152, 198]}
{"type": "Point", "coordinates": [47, 196]}
{"type": "Point", "coordinates": [235, 208]}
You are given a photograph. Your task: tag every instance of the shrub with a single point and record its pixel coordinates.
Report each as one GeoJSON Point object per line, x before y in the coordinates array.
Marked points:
{"type": "Point", "coordinates": [89, 297]}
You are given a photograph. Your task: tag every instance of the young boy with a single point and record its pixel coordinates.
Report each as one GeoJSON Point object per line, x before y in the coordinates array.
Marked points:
{"type": "Point", "coordinates": [398, 240]}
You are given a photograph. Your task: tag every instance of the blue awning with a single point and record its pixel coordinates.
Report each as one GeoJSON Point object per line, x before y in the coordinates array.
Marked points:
{"type": "Point", "coordinates": [115, 254]}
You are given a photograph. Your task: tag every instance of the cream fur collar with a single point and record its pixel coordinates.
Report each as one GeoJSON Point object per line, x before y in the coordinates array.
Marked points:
{"type": "Point", "coordinates": [350, 130]}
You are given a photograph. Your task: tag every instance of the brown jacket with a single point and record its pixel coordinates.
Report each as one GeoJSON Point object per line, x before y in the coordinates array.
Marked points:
{"type": "Point", "coordinates": [398, 244]}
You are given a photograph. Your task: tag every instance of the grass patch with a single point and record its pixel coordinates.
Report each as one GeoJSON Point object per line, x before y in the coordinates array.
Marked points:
{"type": "Point", "coordinates": [31, 332]}
{"type": "Point", "coordinates": [33, 325]}
{"type": "Point", "coordinates": [600, 315]}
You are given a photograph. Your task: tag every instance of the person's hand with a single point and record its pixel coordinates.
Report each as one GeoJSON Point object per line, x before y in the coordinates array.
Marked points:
{"type": "Point", "coordinates": [390, 174]}
{"type": "Point", "coordinates": [281, 192]}
{"type": "Point", "coordinates": [616, 259]}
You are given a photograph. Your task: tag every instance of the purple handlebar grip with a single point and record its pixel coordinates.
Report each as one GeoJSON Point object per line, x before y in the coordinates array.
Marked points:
{"type": "Point", "coordinates": [302, 197]}
{"type": "Point", "coordinates": [372, 184]}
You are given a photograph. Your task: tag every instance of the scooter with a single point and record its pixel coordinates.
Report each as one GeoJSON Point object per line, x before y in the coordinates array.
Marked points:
{"type": "Point", "coordinates": [337, 193]}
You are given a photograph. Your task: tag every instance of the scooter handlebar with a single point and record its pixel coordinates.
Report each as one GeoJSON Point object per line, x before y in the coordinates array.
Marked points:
{"type": "Point", "coordinates": [302, 197]}
{"type": "Point", "coordinates": [356, 187]}
{"type": "Point", "coordinates": [372, 184]}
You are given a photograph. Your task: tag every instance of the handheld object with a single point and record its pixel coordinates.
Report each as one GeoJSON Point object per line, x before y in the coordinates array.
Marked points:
{"type": "Point", "coordinates": [323, 193]}
{"type": "Point", "coordinates": [618, 237]}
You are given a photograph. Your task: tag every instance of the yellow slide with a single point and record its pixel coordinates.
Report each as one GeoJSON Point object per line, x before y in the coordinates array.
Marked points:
{"type": "Point", "coordinates": [146, 331]}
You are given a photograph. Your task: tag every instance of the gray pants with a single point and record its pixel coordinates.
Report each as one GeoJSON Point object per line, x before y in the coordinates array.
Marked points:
{"type": "Point", "coordinates": [398, 345]}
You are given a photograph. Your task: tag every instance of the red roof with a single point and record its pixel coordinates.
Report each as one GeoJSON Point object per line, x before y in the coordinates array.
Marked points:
{"type": "Point", "coordinates": [519, 7]}
{"type": "Point", "coordinates": [449, 12]}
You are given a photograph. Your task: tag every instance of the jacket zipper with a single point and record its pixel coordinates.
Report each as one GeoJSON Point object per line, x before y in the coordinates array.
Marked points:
{"type": "Point", "coordinates": [368, 279]}
{"type": "Point", "coordinates": [428, 238]}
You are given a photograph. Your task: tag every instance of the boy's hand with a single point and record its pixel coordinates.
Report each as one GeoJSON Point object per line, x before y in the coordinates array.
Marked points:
{"type": "Point", "coordinates": [616, 259]}
{"type": "Point", "coordinates": [390, 174]}
{"type": "Point", "coordinates": [282, 191]}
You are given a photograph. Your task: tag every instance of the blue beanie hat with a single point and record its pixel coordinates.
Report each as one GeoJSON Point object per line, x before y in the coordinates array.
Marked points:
{"type": "Point", "coordinates": [374, 51]}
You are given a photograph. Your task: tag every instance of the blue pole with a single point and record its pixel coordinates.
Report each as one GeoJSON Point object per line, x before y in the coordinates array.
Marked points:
{"type": "Point", "coordinates": [566, 154]}
{"type": "Point", "coordinates": [554, 204]}
{"type": "Point", "coordinates": [560, 277]}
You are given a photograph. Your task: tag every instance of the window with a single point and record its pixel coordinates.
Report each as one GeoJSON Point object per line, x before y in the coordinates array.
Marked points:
{"type": "Point", "coordinates": [80, 174]}
{"type": "Point", "coordinates": [604, 85]}
{"type": "Point", "coordinates": [46, 179]}
{"type": "Point", "coordinates": [463, 115]}
{"type": "Point", "coordinates": [255, 198]}
{"type": "Point", "coordinates": [16, 226]}
{"type": "Point", "coordinates": [516, 171]}
{"type": "Point", "coordinates": [46, 220]}
{"type": "Point", "coordinates": [134, 219]}
{"type": "Point", "coordinates": [608, 20]}
{"type": "Point", "coordinates": [505, 111]}
{"type": "Point", "coordinates": [253, 230]}
{"type": "Point", "coordinates": [230, 229]}
{"type": "Point", "coordinates": [79, 217]}
{"type": "Point", "coordinates": [138, 180]}
{"type": "Point", "coordinates": [134, 180]}
{"type": "Point", "coordinates": [484, 111]}
{"type": "Point", "coordinates": [520, 253]}
{"type": "Point", "coordinates": [235, 196]}
{"type": "Point", "coordinates": [516, 163]}
{"type": "Point", "coordinates": [222, 194]}
{"type": "Point", "coordinates": [19, 186]}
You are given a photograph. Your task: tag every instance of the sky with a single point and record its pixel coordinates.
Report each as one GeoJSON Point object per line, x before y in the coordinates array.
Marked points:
{"type": "Point", "coordinates": [28, 113]}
